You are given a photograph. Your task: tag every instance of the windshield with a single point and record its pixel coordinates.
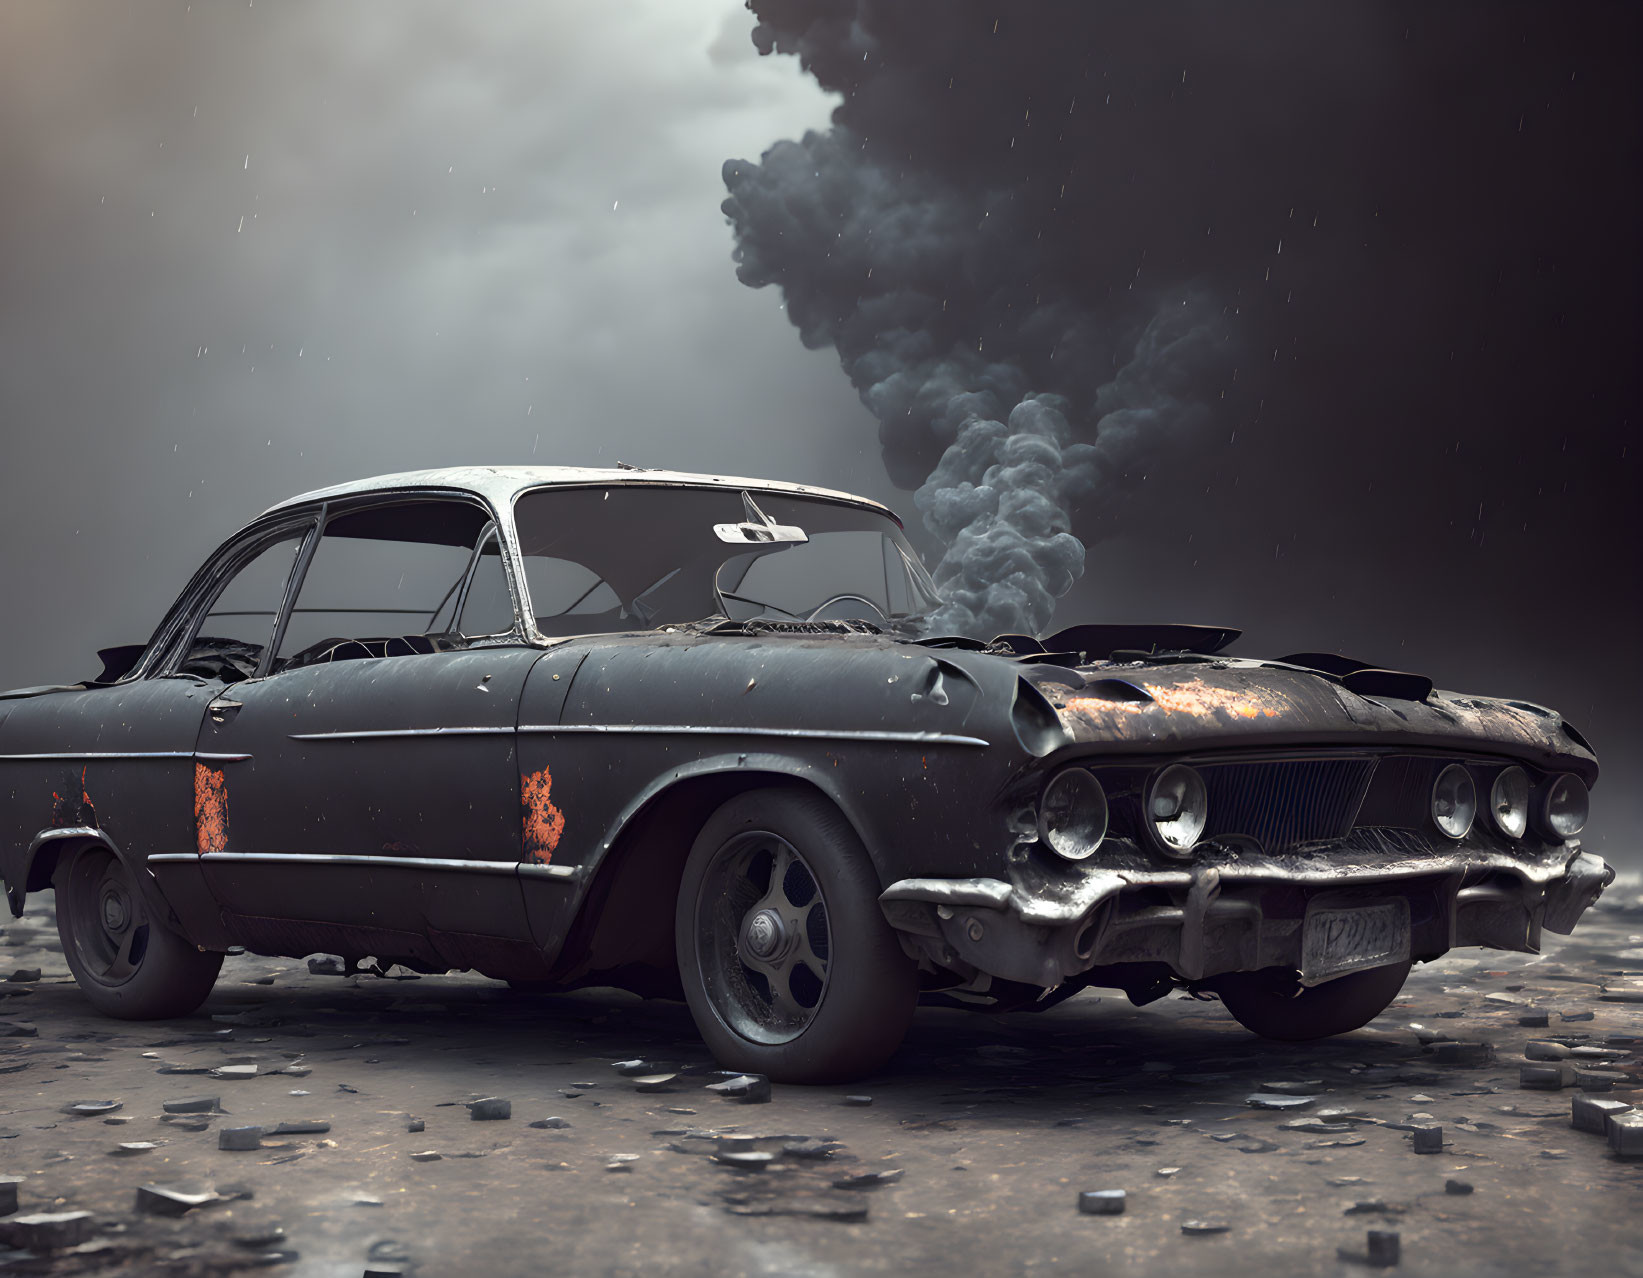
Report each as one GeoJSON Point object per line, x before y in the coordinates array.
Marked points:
{"type": "Point", "coordinates": [622, 558]}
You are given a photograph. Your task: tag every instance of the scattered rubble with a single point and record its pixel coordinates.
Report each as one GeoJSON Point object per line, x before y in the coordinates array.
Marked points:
{"type": "Point", "coordinates": [239, 1138]}
{"type": "Point", "coordinates": [1101, 1202]}
{"type": "Point", "coordinates": [165, 1200]}
{"type": "Point", "coordinates": [1384, 1247]}
{"type": "Point", "coordinates": [750, 1089]}
{"type": "Point", "coordinates": [1626, 1134]}
{"type": "Point", "coordinates": [193, 1105]}
{"type": "Point", "coordinates": [46, 1231]}
{"type": "Point", "coordinates": [1352, 1105]}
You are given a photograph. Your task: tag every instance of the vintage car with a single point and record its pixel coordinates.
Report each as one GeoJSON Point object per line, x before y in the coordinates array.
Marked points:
{"type": "Point", "coordinates": [683, 733]}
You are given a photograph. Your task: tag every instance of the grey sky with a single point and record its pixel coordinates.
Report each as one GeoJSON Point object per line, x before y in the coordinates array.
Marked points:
{"type": "Point", "coordinates": [470, 233]}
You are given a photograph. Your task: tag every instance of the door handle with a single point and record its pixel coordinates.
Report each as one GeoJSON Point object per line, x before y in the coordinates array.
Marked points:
{"type": "Point", "coordinates": [221, 706]}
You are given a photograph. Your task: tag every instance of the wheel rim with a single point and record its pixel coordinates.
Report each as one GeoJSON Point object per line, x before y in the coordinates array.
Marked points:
{"type": "Point", "coordinates": [764, 942]}
{"type": "Point", "coordinates": [107, 919]}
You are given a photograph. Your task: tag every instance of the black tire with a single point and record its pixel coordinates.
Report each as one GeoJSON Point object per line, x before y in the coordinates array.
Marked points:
{"type": "Point", "coordinates": [126, 961]}
{"type": "Point", "coordinates": [845, 1013]}
{"type": "Point", "coordinates": [1273, 1004]}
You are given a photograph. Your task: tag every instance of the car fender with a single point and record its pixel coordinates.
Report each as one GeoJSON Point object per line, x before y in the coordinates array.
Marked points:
{"type": "Point", "coordinates": [39, 863]}
{"type": "Point", "coordinates": [593, 928]}
{"type": "Point", "coordinates": [758, 769]}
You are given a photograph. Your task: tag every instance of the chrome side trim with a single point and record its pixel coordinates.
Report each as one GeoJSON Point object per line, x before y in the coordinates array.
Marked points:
{"type": "Point", "coordinates": [379, 862]}
{"type": "Point", "coordinates": [379, 733]}
{"type": "Point", "coordinates": [531, 870]}
{"type": "Point", "coordinates": [77, 756]}
{"type": "Point", "coordinates": [525, 869]}
{"type": "Point", "coordinates": [823, 734]}
{"type": "Point", "coordinates": [652, 729]}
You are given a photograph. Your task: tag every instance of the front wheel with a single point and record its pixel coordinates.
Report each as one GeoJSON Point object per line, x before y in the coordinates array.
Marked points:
{"type": "Point", "coordinates": [788, 964]}
{"type": "Point", "coordinates": [126, 961]}
{"type": "Point", "coordinates": [1273, 1003]}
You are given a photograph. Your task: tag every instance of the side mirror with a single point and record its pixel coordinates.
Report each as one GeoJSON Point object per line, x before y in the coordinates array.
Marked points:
{"type": "Point", "coordinates": [758, 528]}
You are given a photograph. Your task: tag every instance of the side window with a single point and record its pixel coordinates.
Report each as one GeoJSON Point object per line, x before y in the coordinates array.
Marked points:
{"type": "Point", "coordinates": [488, 607]}
{"type": "Point", "coordinates": [380, 581]}
{"type": "Point", "coordinates": [229, 642]}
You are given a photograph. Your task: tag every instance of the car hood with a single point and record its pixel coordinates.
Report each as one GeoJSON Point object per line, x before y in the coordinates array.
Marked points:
{"type": "Point", "coordinates": [1240, 703]}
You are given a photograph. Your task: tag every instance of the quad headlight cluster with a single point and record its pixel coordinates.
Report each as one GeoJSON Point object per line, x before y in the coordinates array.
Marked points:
{"type": "Point", "coordinates": [1557, 807]}
{"type": "Point", "coordinates": [1174, 809]}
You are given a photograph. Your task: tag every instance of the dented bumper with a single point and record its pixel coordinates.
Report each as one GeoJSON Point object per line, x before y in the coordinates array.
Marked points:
{"type": "Point", "coordinates": [1204, 921]}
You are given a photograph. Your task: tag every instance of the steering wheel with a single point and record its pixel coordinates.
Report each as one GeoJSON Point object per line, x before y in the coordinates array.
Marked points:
{"type": "Point", "coordinates": [826, 604]}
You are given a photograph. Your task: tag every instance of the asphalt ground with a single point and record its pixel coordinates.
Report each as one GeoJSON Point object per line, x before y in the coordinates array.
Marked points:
{"type": "Point", "coordinates": [969, 1158]}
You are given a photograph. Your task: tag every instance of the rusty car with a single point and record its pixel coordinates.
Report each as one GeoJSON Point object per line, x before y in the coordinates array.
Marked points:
{"type": "Point", "coordinates": [691, 735]}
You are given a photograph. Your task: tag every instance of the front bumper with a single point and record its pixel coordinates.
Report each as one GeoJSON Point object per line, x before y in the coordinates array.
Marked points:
{"type": "Point", "coordinates": [1203, 921]}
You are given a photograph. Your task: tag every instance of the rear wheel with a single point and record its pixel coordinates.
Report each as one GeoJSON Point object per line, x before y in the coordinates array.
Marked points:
{"type": "Point", "coordinates": [1274, 1004]}
{"type": "Point", "coordinates": [127, 962]}
{"type": "Point", "coordinates": [788, 964]}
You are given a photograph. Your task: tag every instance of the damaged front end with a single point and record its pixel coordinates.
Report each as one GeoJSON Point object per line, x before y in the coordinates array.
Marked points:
{"type": "Point", "coordinates": [1203, 819]}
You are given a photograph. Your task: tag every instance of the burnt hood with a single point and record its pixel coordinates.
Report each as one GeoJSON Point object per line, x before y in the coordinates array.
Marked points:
{"type": "Point", "coordinates": [1194, 703]}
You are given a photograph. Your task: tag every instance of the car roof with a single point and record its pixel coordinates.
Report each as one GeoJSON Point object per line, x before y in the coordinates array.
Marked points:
{"type": "Point", "coordinates": [501, 484]}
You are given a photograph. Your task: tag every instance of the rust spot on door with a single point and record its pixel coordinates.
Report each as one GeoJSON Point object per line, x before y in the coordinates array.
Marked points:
{"type": "Point", "coordinates": [69, 808]}
{"type": "Point", "coordinates": [544, 823]}
{"type": "Point", "coordinates": [210, 809]}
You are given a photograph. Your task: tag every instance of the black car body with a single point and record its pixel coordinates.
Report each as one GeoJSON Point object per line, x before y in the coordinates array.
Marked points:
{"type": "Point", "coordinates": [667, 731]}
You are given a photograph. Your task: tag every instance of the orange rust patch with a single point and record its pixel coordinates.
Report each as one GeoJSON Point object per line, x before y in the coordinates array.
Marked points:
{"type": "Point", "coordinates": [1197, 697]}
{"type": "Point", "coordinates": [88, 809]}
{"type": "Point", "coordinates": [1095, 706]}
{"type": "Point", "coordinates": [544, 823]}
{"type": "Point", "coordinates": [1194, 697]}
{"type": "Point", "coordinates": [210, 810]}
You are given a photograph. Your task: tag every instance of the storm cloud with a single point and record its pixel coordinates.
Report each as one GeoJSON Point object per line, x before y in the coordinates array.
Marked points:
{"type": "Point", "coordinates": [247, 251]}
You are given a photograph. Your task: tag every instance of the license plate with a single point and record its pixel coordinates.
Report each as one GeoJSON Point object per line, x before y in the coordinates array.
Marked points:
{"type": "Point", "coordinates": [1336, 941]}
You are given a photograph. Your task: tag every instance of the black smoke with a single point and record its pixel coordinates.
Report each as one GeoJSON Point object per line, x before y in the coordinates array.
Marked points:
{"type": "Point", "coordinates": [1013, 386]}
{"type": "Point", "coordinates": [1403, 234]}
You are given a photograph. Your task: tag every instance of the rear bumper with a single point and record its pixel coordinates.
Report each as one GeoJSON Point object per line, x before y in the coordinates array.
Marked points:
{"type": "Point", "coordinates": [1204, 921]}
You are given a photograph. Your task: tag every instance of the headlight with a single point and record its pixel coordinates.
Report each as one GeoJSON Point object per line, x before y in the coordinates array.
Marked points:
{"type": "Point", "coordinates": [1454, 801]}
{"type": "Point", "coordinates": [1177, 807]}
{"type": "Point", "coordinates": [1509, 802]}
{"type": "Point", "coordinates": [1561, 812]}
{"type": "Point", "coordinates": [1072, 814]}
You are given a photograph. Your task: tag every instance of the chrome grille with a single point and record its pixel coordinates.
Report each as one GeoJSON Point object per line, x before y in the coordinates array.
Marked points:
{"type": "Point", "coordinates": [1283, 802]}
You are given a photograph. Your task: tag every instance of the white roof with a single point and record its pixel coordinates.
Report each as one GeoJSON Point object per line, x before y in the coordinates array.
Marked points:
{"type": "Point", "coordinates": [501, 484]}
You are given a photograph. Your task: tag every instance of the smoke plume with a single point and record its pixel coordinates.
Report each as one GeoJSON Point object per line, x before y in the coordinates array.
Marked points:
{"type": "Point", "coordinates": [929, 236]}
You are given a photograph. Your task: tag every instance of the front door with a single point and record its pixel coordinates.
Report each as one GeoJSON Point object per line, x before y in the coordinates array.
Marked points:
{"type": "Point", "coordinates": [377, 806]}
